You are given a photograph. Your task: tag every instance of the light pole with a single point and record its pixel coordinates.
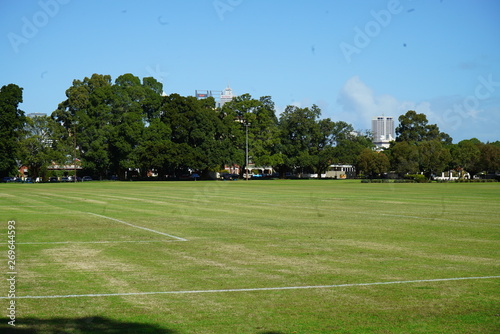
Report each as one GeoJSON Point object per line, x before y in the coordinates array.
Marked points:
{"type": "Point", "coordinates": [74, 152]}
{"type": "Point", "coordinates": [246, 152]}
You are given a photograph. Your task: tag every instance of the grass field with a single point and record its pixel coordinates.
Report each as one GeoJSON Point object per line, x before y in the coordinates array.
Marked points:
{"type": "Point", "coordinates": [214, 257]}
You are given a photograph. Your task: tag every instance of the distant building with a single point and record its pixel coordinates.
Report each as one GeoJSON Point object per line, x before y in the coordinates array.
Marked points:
{"type": "Point", "coordinates": [219, 96]}
{"type": "Point", "coordinates": [36, 114]}
{"type": "Point", "coordinates": [226, 96]}
{"type": "Point", "coordinates": [339, 171]}
{"type": "Point", "coordinates": [203, 94]}
{"type": "Point", "coordinates": [383, 131]}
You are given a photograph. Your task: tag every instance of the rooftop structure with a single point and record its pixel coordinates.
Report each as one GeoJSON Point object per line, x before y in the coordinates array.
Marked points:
{"type": "Point", "coordinates": [219, 96]}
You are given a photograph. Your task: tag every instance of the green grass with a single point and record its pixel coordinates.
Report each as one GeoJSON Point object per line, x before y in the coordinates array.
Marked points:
{"type": "Point", "coordinates": [257, 234]}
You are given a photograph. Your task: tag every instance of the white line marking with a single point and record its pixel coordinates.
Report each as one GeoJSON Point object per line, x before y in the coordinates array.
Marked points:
{"type": "Point", "coordinates": [142, 228]}
{"type": "Point", "coordinates": [89, 242]}
{"type": "Point", "coordinates": [253, 289]}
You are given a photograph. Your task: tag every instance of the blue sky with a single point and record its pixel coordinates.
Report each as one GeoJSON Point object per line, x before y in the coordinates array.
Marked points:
{"type": "Point", "coordinates": [354, 59]}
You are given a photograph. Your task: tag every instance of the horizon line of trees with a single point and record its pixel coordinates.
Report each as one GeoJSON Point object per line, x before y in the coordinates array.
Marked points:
{"type": "Point", "coordinates": [112, 127]}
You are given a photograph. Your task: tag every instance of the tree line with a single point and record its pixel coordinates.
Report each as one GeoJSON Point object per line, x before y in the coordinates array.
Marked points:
{"type": "Point", "coordinates": [114, 127]}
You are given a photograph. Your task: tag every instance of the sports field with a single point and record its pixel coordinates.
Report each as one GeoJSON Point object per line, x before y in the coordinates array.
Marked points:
{"type": "Point", "coordinates": [301, 256]}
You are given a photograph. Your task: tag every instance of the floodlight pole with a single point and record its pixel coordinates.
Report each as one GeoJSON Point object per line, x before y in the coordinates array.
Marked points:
{"type": "Point", "coordinates": [246, 152]}
{"type": "Point", "coordinates": [74, 158]}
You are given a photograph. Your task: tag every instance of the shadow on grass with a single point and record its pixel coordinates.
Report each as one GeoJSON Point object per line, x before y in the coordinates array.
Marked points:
{"type": "Point", "coordinates": [79, 326]}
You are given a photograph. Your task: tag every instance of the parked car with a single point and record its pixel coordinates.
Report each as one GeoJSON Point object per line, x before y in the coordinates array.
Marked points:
{"type": "Point", "coordinates": [65, 179]}
{"type": "Point", "coordinates": [86, 178]}
{"type": "Point", "coordinates": [53, 179]}
{"type": "Point", "coordinates": [8, 179]}
{"type": "Point", "coordinates": [228, 176]}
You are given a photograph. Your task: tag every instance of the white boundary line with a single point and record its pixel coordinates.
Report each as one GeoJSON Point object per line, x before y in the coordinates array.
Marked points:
{"type": "Point", "coordinates": [110, 241]}
{"type": "Point", "coordinates": [252, 289]}
{"type": "Point", "coordinates": [136, 226]}
{"type": "Point", "coordinates": [90, 242]}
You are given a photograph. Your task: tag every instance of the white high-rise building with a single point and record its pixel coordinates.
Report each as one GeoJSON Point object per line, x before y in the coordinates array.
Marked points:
{"type": "Point", "coordinates": [383, 131]}
{"type": "Point", "coordinates": [226, 96]}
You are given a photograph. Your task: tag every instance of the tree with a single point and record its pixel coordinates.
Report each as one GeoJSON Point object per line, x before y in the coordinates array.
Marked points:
{"type": "Point", "coordinates": [433, 157]}
{"type": "Point", "coordinates": [414, 127]}
{"type": "Point", "coordinates": [243, 106]}
{"type": "Point", "coordinates": [465, 155]}
{"type": "Point", "coordinates": [264, 134]}
{"type": "Point", "coordinates": [299, 133]}
{"type": "Point", "coordinates": [155, 150]}
{"type": "Point", "coordinates": [41, 146]}
{"type": "Point", "coordinates": [11, 128]}
{"type": "Point", "coordinates": [152, 99]}
{"type": "Point", "coordinates": [372, 163]}
{"type": "Point", "coordinates": [259, 119]}
{"type": "Point", "coordinates": [404, 158]}
{"type": "Point", "coordinates": [310, 144]}
{"type": "Point", "coordinates": [201, 131]}
{"type": "Point", "coordinates": [489, 159]}
{"type": "Point", "coordinates": [108, 119]}
{"type": "Point", "coordinates": [87, 114]}
{"type": "Point", "coordinates": [127, 123]}
{"type": "Point", "coordinates": [349, 146]}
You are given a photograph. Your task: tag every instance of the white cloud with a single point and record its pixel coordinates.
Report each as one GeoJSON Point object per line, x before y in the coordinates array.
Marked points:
{"type": "Point", "coordinates": [357, 104]}
{"type": "Point", "coordinates": [360, 104]}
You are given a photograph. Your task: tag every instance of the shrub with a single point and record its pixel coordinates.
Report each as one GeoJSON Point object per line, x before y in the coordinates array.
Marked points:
{"type": "Point", "coordinates": [419, 178]}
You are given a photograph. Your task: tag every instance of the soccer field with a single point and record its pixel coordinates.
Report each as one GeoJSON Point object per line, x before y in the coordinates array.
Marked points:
{"type": "Point", "coordinates": [284, 256]}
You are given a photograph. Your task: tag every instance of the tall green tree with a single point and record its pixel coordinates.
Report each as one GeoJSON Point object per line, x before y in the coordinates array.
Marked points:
{"type": "Point", "coordinates": [298, 127]}
{"type": "Point", "coordinates": [404, 157]}
{"type": "Point", "coordinates": [433, 157]}
{"type": "Point", "coordinates": [489, 159]}
{"type": "Point", "coordinates": [87, 115]}
{"type": "Point", "coordinates": [11, 128]}
{"type": "Point", "coordinates": [414, 127]}
{"type": "Point", "coordinates": [323, 145]}
{"type": "Point", "coordinates": [264, 132]}
{"type": "Point", "coordinates": [200, 130]}
{"type": "Point", "coordinates": [372, 164]}
{"type": "Point", "coordinates": [466, 155]}
{"type": "Point", "coordinates": [155, 150]}
{"type": "Point", "coordinates": [308, 143]}
{"type": "Point", "coordinates": [108, 120]}
{"type": "Point", "coordinates": [127, 123]}
{"type": "Point", "coordinates": [41, 146]}
{"type": "Point", "coordinates": [152, 99]}
{"type": "Point", "coordinates": [258, 117]}
{"type": "Point", "coordinates": [349, 145]}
